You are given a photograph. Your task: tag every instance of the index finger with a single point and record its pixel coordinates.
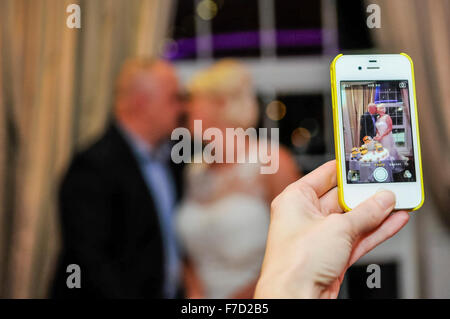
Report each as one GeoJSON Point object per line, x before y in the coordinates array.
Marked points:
{"type": "Point", "coordinates": [322, 179]}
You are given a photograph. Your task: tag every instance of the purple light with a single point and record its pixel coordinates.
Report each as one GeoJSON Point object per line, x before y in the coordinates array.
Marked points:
{"type": "Point", "coordinates": [303, 38]}
{"type": "Point", "coordinates": [385, 101]}
{"type": "Point", "coordinates": [241, 40]}
{"type": "Point", "coordinates": [238, 40]}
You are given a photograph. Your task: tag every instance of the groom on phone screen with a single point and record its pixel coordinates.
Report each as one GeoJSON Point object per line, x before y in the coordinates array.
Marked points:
{"type": "Point", "coordinates": [367, 121]}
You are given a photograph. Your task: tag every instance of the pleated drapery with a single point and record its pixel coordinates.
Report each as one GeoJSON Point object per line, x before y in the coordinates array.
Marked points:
{"type": "Point", "coordinates": [55, 97]}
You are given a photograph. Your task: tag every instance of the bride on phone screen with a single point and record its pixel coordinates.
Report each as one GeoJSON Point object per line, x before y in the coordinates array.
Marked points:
{"type": "Point", "coordinates": [384, 133]}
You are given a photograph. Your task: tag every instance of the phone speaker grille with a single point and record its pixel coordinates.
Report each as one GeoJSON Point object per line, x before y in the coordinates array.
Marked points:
{"type": "Point", "coordinates": [373, 67]}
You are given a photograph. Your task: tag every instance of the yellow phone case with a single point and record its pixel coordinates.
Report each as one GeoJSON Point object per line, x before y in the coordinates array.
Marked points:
{"type": "Point", "coordinates": [337, 145]}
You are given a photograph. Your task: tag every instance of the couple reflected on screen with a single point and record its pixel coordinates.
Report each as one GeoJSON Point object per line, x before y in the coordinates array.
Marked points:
{"type": "Point", "coordinates": [377, 124]}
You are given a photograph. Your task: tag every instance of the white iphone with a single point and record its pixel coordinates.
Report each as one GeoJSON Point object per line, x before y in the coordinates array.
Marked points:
{"type": "Point", "coordinates": [376, 129]}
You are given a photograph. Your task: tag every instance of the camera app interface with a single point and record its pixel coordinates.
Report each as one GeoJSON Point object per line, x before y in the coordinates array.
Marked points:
{"type": "Point", "coordinates": [377, 131]}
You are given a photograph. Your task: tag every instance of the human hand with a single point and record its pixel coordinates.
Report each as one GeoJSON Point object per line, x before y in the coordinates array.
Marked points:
{"type": "Point", "coordinates": [311, 243]}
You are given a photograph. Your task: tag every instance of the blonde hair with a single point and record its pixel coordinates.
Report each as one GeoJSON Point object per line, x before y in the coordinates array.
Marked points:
{"type": "Point", "coordinates": [230, 79]}
{"type": "Point", "coordinates": [381, 105]}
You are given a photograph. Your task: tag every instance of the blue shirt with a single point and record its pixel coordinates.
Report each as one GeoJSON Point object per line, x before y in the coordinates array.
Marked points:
{"type": "Point", "coordinates": [152, 163]}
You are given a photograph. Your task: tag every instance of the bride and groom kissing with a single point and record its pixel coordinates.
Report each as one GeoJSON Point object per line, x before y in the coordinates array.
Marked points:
{"type": "Point", "coordinates": [377, 124]}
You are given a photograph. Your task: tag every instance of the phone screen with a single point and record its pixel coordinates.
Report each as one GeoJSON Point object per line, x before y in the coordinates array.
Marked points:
{"type": "Point", "coordinates": [378, 141]}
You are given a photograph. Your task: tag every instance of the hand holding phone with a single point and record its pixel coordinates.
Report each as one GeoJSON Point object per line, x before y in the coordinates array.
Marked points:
{"type": "Point", "coordinates": [311, 243]}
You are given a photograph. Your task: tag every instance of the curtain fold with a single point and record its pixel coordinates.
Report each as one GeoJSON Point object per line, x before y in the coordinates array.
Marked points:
{"type": "Point", "coordinates": [55, 97]}
{"type": "Point", "coordinates": [420, 29]}
{"type": "Point", "coordinates": [358, 98]}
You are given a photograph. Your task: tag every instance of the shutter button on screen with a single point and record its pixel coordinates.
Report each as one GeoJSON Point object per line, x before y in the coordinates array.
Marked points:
{"type": "Point", "coordinates": [380, 174]}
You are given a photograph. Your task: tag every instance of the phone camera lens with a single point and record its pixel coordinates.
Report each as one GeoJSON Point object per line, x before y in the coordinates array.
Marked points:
{"type": "Point", "coordinates": [359, 68]}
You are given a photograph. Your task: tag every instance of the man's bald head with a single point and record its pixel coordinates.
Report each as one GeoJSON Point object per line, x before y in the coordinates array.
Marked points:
{"type": "Point", "coordinates": [140, 75]}
{"type": "Point", "coordinates": [372, 108]}
{"type": "Point", "coordinates": [146, 94]}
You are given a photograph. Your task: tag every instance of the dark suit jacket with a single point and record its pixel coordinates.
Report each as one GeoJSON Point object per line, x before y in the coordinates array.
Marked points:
{"type": "Point", "coordinates": [367, 126]}
{"type": "Point", "coordinates": [110, 227]}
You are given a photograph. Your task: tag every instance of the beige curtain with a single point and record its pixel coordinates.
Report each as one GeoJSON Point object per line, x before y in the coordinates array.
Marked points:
{"type": "Point", "coordinates": [421, 29]}
{"type": "Point", "coordinates": [358, 98]}
{"type": "Point", "coordinates": [55, 97]}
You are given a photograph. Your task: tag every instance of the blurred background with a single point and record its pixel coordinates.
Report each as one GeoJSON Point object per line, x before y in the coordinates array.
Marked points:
{"type": "Point", "coordinates": [56, 87]}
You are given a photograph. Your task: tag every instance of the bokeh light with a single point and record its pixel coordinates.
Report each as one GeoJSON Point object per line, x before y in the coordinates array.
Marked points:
{"type": "Point", "coordinates": [276, 110]}
{"type": "Point", "coordinates": [311, 125]}
{"type": "Point", "coordinates": [300, 137]}
{"type": "Point", "coordinates": [207, 9]}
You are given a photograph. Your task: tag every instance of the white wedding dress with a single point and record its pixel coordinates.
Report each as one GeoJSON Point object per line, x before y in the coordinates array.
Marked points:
{"type": "Point", "coordinates": [388, 140]}
{"type": "Point", "coordinates": [223, 226]}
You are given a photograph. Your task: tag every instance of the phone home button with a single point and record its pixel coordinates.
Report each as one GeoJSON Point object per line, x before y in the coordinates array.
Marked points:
{"type": "Point", "coordinates": [380, 174]}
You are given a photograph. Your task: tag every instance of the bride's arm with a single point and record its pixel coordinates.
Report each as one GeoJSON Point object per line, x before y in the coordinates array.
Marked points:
{"type": "Point", "coordinates": [389, 126]}
{"type": "Point", "coordinates": [192, 283]}
{"type": "Point", "coordinates": [288, 172]}
{"type": "Point", "coordinates": [245, 293]}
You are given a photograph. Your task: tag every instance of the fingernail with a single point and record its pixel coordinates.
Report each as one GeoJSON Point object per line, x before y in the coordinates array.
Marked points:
{"type": "Point", "coordinates": [385, 198]}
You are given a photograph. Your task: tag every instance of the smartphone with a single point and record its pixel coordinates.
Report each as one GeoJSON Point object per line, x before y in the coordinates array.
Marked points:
{"type": "Point", "coordinates": [376, 129]}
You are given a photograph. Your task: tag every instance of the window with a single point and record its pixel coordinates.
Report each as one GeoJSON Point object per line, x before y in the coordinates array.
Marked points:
{"type": "Point", "coordinates": [235, 29]}
{"type": "Point", "coordinates": [183, 33]}
{"type": "Point", "coordinates": [298, 27]}
{"type": "Point", "coordinates": [399, 136]}
{"type": "Point", "coordinates": [396, 114]}
{"type": "Point", "coordinates": [222, 28]}
{"type": "Point", "coordinates": [353, 33]}
{"type": "Point", "coordinates": [301, 127]}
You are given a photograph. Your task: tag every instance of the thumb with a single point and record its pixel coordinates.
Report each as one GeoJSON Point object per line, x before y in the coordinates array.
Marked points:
{"type": "Point", "coordinates": [368, 215]}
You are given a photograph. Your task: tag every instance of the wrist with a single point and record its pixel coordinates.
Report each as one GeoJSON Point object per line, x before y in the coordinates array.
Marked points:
{"type": "Point", "coordinates": [286, 287]}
